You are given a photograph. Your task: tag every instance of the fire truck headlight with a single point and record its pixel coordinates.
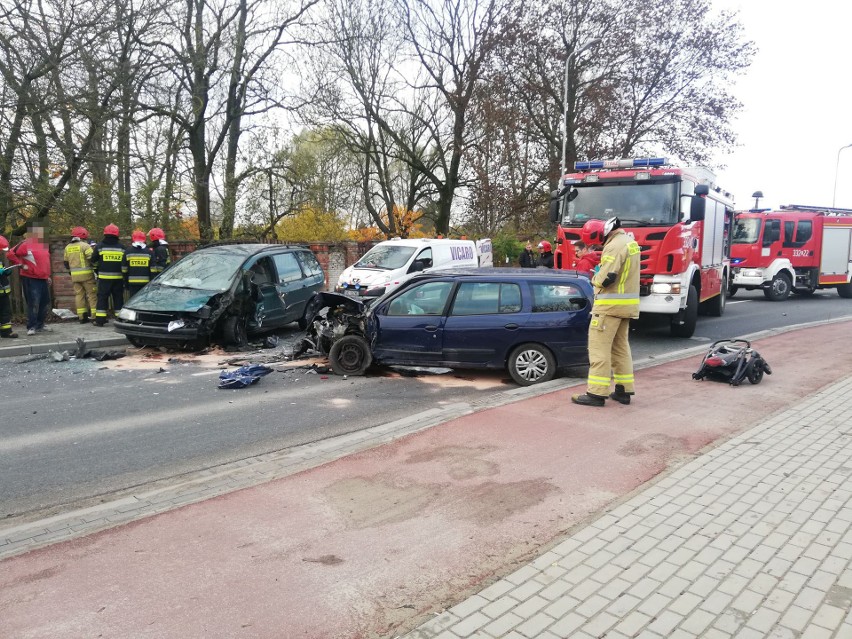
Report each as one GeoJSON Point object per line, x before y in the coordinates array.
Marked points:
{"type": "Point", "coordinates": [665, 289]}
{"type": "Point", "coordinates": [750, 272]}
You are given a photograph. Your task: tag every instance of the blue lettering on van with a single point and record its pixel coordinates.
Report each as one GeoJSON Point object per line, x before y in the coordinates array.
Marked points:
{"type": "Point", "coordinates": [458, 253]}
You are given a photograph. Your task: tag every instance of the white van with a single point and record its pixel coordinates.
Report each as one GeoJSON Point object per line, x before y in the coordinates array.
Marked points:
{"type": "Point", "coordinates": [388, 264]}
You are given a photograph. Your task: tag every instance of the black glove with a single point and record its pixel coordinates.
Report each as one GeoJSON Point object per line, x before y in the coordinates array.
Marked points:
{"type": "Point", "coordinates": [610, 279]}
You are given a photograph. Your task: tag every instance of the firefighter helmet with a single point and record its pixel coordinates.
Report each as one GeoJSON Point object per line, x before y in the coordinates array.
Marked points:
{"type": "Point", "coordinates": [544, 245]}
{"type": "Point", "coordinates": [111, 229]}
{"type": "Point", "coordinates": [610, 225]}
{"type": "Point", "coordinates": [593, 232]}
{"type": "Point", "coordinates": [4, 244]}
{"type": "Point", "coordinates": [156, 233]}
{"type": "Point", "coordinates": [81, 232]}
{"type": "Point", "coordinates": [138, 236]}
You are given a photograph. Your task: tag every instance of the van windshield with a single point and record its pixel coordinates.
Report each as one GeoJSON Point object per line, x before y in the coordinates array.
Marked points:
{"type": "Point", "coordinates": [386, 257]}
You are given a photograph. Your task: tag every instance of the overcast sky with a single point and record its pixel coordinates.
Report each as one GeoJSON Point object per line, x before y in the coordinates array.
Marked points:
{"type": "Point", "coordinates": [797, 105]}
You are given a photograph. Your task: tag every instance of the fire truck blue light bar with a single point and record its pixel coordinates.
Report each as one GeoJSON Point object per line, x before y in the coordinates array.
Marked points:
{"type": "Point", "coordinates": [624, 163]}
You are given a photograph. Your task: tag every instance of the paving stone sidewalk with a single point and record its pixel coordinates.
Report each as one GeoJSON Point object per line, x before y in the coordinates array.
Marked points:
{"type": "Point", "coordinates": [752, 539]}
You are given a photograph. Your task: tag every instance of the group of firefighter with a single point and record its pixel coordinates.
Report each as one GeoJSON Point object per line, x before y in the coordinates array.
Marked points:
{"type": "Point", "coordinates": [101, 271]}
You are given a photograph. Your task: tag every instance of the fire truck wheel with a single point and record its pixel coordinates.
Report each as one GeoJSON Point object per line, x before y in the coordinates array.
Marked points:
{"type": "Point", "coordinates": [845, 291]}
{"type": "Point", "coordinates": [733, 290]}
{"type": "Point", "coordinates": [715, 306]}
{"type": "Point", "coordinates": [779, 288]}
{"type": "Point", "coordinates": [689, 316]}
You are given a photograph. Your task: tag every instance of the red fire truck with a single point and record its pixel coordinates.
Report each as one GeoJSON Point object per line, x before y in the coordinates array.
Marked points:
{"type": "Point", "coordinates": [795, 249]}
{"type": "Point", "coordinates": [680, 218]}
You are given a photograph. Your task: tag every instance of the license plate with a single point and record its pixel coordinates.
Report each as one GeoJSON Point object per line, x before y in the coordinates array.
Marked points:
{"type": "Point", "coordinates": [351, 293]}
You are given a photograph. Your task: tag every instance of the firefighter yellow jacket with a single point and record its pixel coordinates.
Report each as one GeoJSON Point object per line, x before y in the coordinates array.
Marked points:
{"type": "Point", "coordinates": [78, 260]}
{"type": "Point", "coordinates": [617, 282]}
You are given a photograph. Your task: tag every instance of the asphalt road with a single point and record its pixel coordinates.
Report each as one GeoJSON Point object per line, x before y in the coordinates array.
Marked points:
{"type": "Point", "coordinates": [73, 432]}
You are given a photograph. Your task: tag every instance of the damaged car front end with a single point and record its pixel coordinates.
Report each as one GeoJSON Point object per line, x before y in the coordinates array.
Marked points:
{"type": "Point", "coordinates": [337, 328]}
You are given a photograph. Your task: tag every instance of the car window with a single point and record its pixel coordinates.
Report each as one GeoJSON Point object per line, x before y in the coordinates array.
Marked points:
{"type": "Point", "coordinates": [481, 298]}
{"type": "Point", "coordinates": [309, 263]}
{"type": "Point", "coordinates": [429, 298]}
{"type": "Point", "coordinates": [262, 271]}
{"type": "Point", "coordinates": [288, 267]}
{"type": "Point", "coordinates": [386, 256]}
{"type": "Point", "coordinates": [425, 258]}
{"type": "Point", "coordinates": [205, 270]}
{"type": "Point", "coordinates": [557, 297]}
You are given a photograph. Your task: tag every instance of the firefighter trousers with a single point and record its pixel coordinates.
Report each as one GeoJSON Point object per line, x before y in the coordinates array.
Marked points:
{"type": "Point", "coordinates": [5, 314]}
{"type": "Point", "coordinates": [109, 289]}
{"type": "Point", "coordinates": [84, 294]}
{"type": "Point", "coordinates": [609, 354]}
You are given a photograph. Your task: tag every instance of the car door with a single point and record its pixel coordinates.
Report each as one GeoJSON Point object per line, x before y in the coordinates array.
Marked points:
{"type": "Point", "coordinates": [409, 326]}
{"type": "Point", "coordinates": [292, 287]}
{"type": "Point", "coordinates": [559, 318]}
{"type": "Point", "coordinates": [268, 306]}
{"type": "Point", "coordinates": [483, 324]}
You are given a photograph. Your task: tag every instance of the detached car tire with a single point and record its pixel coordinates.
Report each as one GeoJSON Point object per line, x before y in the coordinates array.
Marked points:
{"type": "Point", "coordinates": [350, 355]}
{"type": "Point", "coordinates": [531, 364]}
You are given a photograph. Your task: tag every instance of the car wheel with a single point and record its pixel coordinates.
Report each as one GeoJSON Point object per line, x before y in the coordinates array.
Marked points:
{"type": "Point", "coordinates": [234, 331]}
{"type": "Point", "coordinates": [531, 364]}
{"type": "Point", "coordinates": [779, 288]}
{"type": "Point", "coordinates": [690, 316]}
{"type": "Point", "coordinates": [302, 323]}
{"type": "Point", "coordinates": [350, 355]}
{"type": "Point", "coordinates": [732, 290]}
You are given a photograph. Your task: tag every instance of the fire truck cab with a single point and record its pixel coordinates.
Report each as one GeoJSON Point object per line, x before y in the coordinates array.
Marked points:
{"type": "Point", "coordinates": [680, 219]}
{"type": "Point", "coordinates": [795, 249]}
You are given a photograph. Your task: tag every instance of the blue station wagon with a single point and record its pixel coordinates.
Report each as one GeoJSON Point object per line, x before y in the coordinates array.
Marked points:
{"type": "Point", "coordinates": [532, 323]}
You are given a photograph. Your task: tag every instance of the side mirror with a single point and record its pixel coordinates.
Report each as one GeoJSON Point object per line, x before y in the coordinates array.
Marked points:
{"type": "Point", "coordinates": [555, 201]}
{"type": "Point", "coordinates": [416, 267]}
{"type": "Point", "coordinates": [702, 189]}
{"type": "Point", "coordinates": [697, 207]}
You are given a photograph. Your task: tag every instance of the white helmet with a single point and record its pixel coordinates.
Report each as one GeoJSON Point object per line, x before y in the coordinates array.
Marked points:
{"type": "Point", "coordinates": [610, 225]}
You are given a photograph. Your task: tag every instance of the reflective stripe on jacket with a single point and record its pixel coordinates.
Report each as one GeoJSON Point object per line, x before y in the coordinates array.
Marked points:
{"type": "Point", "coordinates": [621, 255]}
{"type": "Point", "coordinates": [108, 257]}
{"type": "Point", "coordinates": [139, 265]}
{"type": "Point", "coordinates": [78, 257]}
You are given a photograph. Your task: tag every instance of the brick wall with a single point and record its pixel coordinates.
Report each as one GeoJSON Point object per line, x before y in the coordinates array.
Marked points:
{"type": "Point", "coordinates": [333, 257]}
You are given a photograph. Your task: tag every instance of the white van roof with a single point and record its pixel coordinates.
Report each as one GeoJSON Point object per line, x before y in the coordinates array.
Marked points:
{"type": "Point", "coordinates": [420, 241]}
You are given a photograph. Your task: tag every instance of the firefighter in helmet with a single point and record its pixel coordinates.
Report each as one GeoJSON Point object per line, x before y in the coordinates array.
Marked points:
{"type": "Point", "coordinates": [160, 248]}
{"type": "Point", "coordinates": [616, 303]}
{"type": "Point", "coordinates": [545, 254]}
{"type": "Point", "coordinates": [140, 259]}
{"type": "Point", "coordinates": [110, 261]}
{"type": "Point", "coordinates": [5, 292]}
{"type": "Point", "coordinates": [78, 260]}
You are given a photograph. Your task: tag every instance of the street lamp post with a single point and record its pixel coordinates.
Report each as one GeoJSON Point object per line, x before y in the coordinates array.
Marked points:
{"type": "Point", "coordinates": [571, 56]}
{"type": "Point", "coordinates": [836, 167]}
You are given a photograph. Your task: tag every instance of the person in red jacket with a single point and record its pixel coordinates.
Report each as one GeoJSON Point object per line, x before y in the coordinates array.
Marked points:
{"type": "Point", "coordinates": [34, 257]}
{"type": "Point", "coordinates": [586, 257]}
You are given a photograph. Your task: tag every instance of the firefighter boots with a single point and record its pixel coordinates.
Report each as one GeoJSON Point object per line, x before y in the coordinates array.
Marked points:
{"type": "Point", "coordinates": [620, 395]}
{"type": "Point", "coordinates": [8, 335]}
{"type": "Point", "coordinates": [587, 399]}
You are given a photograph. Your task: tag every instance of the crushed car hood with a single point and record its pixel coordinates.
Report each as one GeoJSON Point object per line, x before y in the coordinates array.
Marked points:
{"type": "Point", "coordinates": [167, 298]}
{"type": "Point", "coordinates": [323, 300]}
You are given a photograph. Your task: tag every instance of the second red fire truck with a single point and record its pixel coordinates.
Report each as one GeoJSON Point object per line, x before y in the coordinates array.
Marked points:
{"type": "Point", "coordinates": [795, 249]}
{"type": "Point", "coordinates": [680, 218]}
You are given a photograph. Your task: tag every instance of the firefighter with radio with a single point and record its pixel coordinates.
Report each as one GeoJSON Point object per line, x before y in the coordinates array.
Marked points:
{"type": "Point", "coordinates": [110, 261]}
{"type": "Point", "coordinates": [160, 249]}
{"type": "Point", "coordinates": [616, 302]}
{"type": "Point", "coordinates": [5, 293]}
{"type": "Point", "coordinates": [140, 260]}
{"type": "Point", "coordinates": [78, 260]}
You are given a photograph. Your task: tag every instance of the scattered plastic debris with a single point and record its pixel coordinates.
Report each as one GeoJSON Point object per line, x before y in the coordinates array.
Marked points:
{"type": "Point", "coordinates": [243, 376]}
{"type": "Point", "coordinates": [64, 313]}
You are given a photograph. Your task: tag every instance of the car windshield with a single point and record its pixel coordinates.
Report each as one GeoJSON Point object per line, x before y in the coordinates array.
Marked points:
{"type": "Point", "coordinates": [645, 203]}
{"type": "Point", "coordinates": [386, 257]}
{"type": "Point", "coordinates": [207, 270]}
{"type": "Point", "coordinates": [747, 230]}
